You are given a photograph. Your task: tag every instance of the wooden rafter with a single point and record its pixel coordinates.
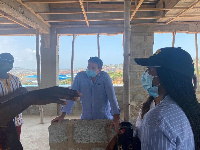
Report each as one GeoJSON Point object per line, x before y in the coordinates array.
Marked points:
{"type": "Point", "coordinates": [14, 21]}
{"type": "Point", "coordinates": [136, 9]}
{"type": "Point", "coordinates": [50, 1]}
{"type": "Point", "coordinates": [29, 8]}
{"type": "Point", "coordinates": [84, 14]}
{"type": "Point", "coordinates": [116, 19]}
{"type": "Point", "coordinates": [76, 1]}
{"type": "Point", "coordinates": [106, 19]}
{"type": "Point", "coordinates": [6, 23]}
{"type": "Point", "coordinates": [184, 11]}
{"type": "Point", "coordinates": [22, 16]}
{"type": "Point", "coordinates": [109, 11]}
{"type": "Point", "coordinates": [121, 25]}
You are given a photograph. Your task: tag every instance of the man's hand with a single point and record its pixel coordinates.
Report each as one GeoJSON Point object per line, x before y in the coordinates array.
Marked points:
{"type": "Point", "coordinates": [59, 119]}
{"type": "Point", "coordinates": [53, 95]}
{"type": "Point", "coordinates": [115, 122]}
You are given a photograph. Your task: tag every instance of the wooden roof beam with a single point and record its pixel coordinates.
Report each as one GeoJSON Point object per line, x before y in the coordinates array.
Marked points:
{"type": "Point", "coordinates": [184, 11]}
{"type": "Point", "coordinates": [23, 15]}
{"type": "Point", "coordinates": [136, 9]}
{"type": "Point", "coordinates": [29, 8]}
{"type": "Point", "coordinates": [109, 11]}
{"type": "Point", "coordinates": [6, 23]}
{"type": "Point", "coordinates": [117, 19]}
{"type": "Point", "coordinates": [50, 1]}
{"type": "Point", "coordinates": [17, 32]}
{"type": "Point", "coordinates": [76, 1]}
{"type": "Point", "coordinates": [108, 19]}
{"type": "Point", "coordinates": [14, 21]}
{"type": "Point", "coordinates": [84, 14]}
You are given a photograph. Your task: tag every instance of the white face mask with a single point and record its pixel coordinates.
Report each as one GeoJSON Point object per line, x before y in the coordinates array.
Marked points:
{"type": "Point", "coordinates": [147, 84]}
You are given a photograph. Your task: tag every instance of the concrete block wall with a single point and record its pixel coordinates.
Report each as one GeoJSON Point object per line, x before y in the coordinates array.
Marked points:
{"type": "Point", "coordinates": [142, 40]}
{"type": "Point", "coordinates": [80, 135]}
{"type": "Point", "coordinates": [54, 109]}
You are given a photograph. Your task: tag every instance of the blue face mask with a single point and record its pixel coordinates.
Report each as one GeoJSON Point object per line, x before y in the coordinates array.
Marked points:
{"type": "Point", "coordinates": [147, 84]}
{"type": "Point", "coordinates": [90, 73]}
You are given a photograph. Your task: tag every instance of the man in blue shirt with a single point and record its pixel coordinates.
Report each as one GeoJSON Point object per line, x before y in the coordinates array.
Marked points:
{"type": "Point", "coordinates": [98, 98]}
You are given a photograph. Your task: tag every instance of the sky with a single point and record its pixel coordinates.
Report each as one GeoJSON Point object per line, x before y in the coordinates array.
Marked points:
{"type": "Point", "coordinates": [23, 48]}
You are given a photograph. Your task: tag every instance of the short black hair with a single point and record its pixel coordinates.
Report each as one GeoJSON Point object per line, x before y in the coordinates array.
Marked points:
{"type": "Point", "coordinates": [96, 60]}
{"type": "Point", "coordinates": [6, 56]}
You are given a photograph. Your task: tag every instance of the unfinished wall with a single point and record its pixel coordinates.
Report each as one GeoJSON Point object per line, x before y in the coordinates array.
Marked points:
{"type": "Point", "coordinates": [52, 109]}
{"type": "Point", "coordinates": [80, 135]}
{"type": "Point", "coordinates": [142, 40]}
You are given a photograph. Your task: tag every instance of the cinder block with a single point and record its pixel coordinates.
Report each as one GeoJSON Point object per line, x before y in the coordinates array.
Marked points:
{"type": "Point", "coordinates": [87, 131]}
{"type": "Point", "coordinates": [58, 132]}
{"type": "Point", "coordinates": [147, 46]}
{"type": "Point", "coordinates": [137, 68]}
{"type": "Point", "coordinates": [149, 39]}
{"type": "Point", "coordinates": [148, 52]}
{"type": "Point", "coordinates": [80, 134]}
{"type": "Point", "coordinates": [135, 46]}
{"type": "Point", "coordinates": [137, 38]}
{"type": "Point", "coordinates": [140, 97]}
{"type": "Point", "coordinates": [142, 30]}
{"type": "Point", "coordinates": [137, 53]}
{"type": "Point", "coordinates": [50, 109]}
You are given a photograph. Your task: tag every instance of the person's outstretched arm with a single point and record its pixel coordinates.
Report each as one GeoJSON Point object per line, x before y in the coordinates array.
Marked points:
{"type": "Point", "coordinates": [10, 108]}
{"type": "Point", "coordinates": [17, 92]}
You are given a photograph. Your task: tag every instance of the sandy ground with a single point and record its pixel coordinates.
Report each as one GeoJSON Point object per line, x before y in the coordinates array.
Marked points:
{"type": "Point", "coordinates": [35, 136]}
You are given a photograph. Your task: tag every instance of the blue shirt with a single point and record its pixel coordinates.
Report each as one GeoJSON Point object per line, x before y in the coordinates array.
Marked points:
{"type": "Point", "coordinates": [166, 127]}
{"type": "Point", "coordinates": [98, 99]}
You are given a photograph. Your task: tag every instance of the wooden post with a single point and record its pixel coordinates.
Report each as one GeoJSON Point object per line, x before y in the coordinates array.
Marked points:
{"type": "Point", "coordinates": [126, 77]}
{"type": "Point", "coordinates": [38, 71]}
{"type": "Point", "coordinates": [38, 56]}
{"type": "Point", "coordinates": [98, 45]}
{"type": "Point", "coordinates": [197, 60]}
{"type": "Point", "coordinates": [173, 38]}
{"type": "Point", "coordinates": [72, 59]}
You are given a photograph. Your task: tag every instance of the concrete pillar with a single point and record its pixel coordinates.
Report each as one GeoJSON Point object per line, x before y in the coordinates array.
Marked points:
{"type": "Point", "coordinates": [49, 59]}
{"type": "Point", "coordinates": [49, 66]}
{"type": "Point", "coordinates": [142, 40]}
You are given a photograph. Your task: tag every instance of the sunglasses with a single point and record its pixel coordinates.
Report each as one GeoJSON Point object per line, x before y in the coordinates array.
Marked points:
{"type": "Point", "coordinates": [7, 60]}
